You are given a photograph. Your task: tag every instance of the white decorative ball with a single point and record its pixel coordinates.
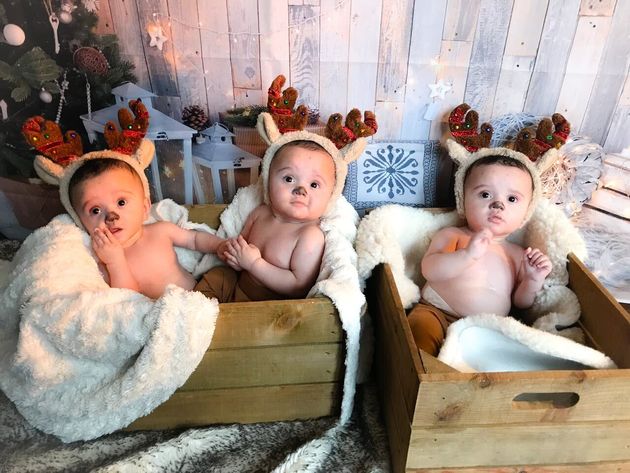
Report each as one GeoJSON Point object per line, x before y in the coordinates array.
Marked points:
{"type": "Point", "coordinates": [14, 35]}
{"type": "Point", "coordinates": [65, 17]}
{"type": "Point", "coordinates": [45, 96]}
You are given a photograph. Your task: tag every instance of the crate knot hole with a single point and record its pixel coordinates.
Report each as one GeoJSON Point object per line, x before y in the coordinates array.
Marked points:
{"type": "Point", "coordinates": [287, 321]}
{"type": "Point", "coordinates": [560, 400]}
{"type": "Point", "coordinates": [450, 412]}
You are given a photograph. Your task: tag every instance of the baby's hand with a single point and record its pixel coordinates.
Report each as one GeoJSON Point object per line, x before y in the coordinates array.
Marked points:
{"type": "Point", "coordinates": [241, 254]}
{"type": "Point", "coordinates": [222, 250]}
{"type": "Point", "coordinates": [107, 247]}
{"type": "Point", "coordinates": [536, 266]}
{"type": "Point", "coordinates": [479, 243]}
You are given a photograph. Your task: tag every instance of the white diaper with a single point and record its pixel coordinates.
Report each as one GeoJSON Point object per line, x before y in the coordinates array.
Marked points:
{"type": "Point", "coordinates": [432, 297]}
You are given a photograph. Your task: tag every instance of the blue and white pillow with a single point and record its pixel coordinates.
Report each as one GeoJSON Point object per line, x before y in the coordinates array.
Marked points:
{"type": "Point", "coordinates": [394, 172]}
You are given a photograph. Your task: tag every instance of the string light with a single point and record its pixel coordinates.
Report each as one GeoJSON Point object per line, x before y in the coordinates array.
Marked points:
{"type": "Point", "coordinates": [295, 25]}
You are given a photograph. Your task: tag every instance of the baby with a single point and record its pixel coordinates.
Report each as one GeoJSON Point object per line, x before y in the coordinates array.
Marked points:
{"type": "Point", "coordinates": [473, 269]}
{"type": "Point", "coordinates": [279, 251]}
{"type": "Point", "coordinates": [109, 198]}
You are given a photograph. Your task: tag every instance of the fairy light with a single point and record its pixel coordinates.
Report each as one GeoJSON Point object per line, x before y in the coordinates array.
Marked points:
{"type": "Point", "coordinates": [296, 26]}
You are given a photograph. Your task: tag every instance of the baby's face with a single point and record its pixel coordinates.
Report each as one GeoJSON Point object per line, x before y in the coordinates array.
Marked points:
{"type": "Point", "coordinates": [301, 182]}
{"type": "Point", "coordinates": [497, 197]}
{"type": "Point", "coordinates": [115, 200]}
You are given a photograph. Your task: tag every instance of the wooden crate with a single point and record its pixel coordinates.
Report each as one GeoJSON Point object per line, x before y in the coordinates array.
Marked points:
{"type": "Point", "coordinates": [268, 361]}
{"type": "Point", "coordinates": [441, 420]}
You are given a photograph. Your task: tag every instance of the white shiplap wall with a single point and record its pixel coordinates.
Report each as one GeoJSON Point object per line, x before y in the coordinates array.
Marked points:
{"type": "Point", "coordinates": [501, 56]}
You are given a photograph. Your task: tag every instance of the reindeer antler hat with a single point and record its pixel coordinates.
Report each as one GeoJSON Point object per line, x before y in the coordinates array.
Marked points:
{"type": "Point", "coordinates": [470, 145]}
{"type": "Point", "coordinates": [270, 133]}
{"type": "Point", "coordinates": [282, 125]}
{"type": "Point", "coordinates": [126, 145]}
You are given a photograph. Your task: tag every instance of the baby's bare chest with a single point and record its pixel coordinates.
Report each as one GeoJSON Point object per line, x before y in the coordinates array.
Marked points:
{"type": "Point", "coordinates": [275, 242]}
{"type": "Point", "coordinates": [154, 265]}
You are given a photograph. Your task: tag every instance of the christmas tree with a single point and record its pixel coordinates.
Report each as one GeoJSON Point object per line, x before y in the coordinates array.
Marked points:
{"type": "Point", "coordinates": [35, 77]}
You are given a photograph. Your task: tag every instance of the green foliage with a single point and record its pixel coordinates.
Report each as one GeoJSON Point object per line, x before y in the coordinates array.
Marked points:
{"type": "Point", "coordinates": [243, 116]}
{"type": "Point", "coordinates": [27, 68]}
{"type": "Point", "coordinates": [29, 72]}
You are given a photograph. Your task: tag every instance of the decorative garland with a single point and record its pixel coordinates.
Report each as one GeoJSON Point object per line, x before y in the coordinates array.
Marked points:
{"type": "Point", "coordinates": [242, 116]}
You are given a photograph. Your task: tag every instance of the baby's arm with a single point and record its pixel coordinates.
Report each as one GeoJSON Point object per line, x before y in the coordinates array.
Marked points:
{"type": "Point", "coordinates": [445, 259]}
{"type": "Point", "coordinates": [191, 239]}
{"type": "Point", "coordinates": [112, 255]}
{"type": "Point", "coordinates": [535, 267]}
{"type": "Point", "coordinates": [294, 281]}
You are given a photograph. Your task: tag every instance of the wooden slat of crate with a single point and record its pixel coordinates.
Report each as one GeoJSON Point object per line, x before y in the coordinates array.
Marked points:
{"type": "Point", "coordinates": [397, 367]}
{"type": "Point", "coordinates": [610, 333]}
{"type": "Point", "coordinates": [521, 444]}
{"type": "Point", "coordinates": [252, 324]}
{"type": "Point", "coordinates": [461, 399]}
{"type": "Point", "coordinates": [268, 366]}
{"type": "Point", "coordinates": [599, 467]}
{"type": "Point", "coordinates": [244, 405]}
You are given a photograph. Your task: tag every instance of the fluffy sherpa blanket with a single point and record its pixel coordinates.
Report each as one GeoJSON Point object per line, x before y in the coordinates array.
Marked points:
{"type": "Point", "coordinates": [338, 278]}
{"type": "Point", "coordinates": [400, 236]}
{"type": "Point", "coordinates": [80, 359]}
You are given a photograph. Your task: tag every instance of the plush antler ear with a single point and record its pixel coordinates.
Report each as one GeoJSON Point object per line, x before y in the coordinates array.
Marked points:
{"type": "Point", "coordinates": [133, 128]}
{"type": "Point", "coordinates": [48, 170]}
{"type": "Point", "coordinates": [46, 137]}
{"type": "Point", "coordinates": [457, 152]}
{"type": "Point", "coordinates": [352, 151]}
{"type": "Point", "coordinates": [463, 122]}
{"type": "Point", "coordinates": [550, 134]}
{"type": "Point", "coordinates": [354, 128]}
{"type": "Point", "coordinates": [274, 93]}
{"type": "Point", "coordinates": [267, 128]}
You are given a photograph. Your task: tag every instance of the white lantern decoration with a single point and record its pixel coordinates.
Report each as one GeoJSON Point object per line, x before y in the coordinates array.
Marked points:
{"type": "Point", "coordinates": [224, 159]}
{"type": "Point", "coordinates": [161, 127]}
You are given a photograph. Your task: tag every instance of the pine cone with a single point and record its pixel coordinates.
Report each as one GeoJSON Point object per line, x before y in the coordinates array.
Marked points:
{"type": "Point", "coordinates": [195, 117]}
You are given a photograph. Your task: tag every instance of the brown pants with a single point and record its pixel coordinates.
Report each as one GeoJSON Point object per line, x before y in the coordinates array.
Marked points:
{"type": "Point", "coordinates": [228, 285]}
{"type": "Point", "coordinates": [428, 325]}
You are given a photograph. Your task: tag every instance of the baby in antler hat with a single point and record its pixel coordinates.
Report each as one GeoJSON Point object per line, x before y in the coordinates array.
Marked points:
{"type": "Point", "coordinates": [107, 194]}
{"type": "Point", "coordinates": [278, 253]}
{"type": "Point", "coordinates": [473, 269]}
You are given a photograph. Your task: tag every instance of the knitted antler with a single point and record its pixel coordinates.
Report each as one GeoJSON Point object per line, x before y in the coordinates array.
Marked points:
{"type": "Point", "coordinates": [550, 133]}
{"type": "Point", "coordinates": [133, 128]}
{"type": "Point", "coordinates": [46, 137]}
{"type": "Point", "coordinates": [341, 135]}
{"type": "Point", "coordinates": [463, 125]}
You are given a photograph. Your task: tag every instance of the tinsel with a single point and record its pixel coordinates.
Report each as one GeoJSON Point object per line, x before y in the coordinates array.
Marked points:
{"type": "Point", "coordinates": [579, 168]}
{"type": "Point", "coordinates": [506, 127]}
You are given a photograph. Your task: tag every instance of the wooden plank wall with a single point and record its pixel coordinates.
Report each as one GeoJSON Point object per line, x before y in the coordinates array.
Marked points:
{"type": "Point", "coordinates": [501, 56]}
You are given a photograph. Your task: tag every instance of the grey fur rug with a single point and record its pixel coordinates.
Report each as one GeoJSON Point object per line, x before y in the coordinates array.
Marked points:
{"type": "Point", "coordinates": [318, 445]}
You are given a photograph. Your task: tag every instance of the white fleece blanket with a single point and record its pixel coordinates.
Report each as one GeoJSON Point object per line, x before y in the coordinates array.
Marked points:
{"type": "Point", "coordinates": [400, 236]}
{"type": "Point", "coordinates": [338, 278]}
{"type": "Point", "coordinates": [80, 359]}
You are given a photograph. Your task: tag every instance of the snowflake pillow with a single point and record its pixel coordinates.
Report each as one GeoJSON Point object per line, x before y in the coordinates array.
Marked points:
{"type": "Point", "coordinates": [395, 172]}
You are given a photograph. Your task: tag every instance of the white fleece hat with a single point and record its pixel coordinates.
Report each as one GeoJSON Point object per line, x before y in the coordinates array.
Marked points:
{"type": "Point", "coordinates": [465, 159]}
{"type": "Point", "coordinates": [55, 174]}
{"type": "Point", "coordinates": [269, 132]}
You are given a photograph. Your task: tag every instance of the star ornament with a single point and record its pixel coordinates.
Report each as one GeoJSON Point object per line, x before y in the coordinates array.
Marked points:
{"type": "Point", "coordinates": [158, 38]}
{"type": "Point", "coordinates": [440, 89]}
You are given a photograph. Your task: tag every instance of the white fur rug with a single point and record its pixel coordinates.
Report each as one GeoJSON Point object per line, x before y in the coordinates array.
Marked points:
{"type": "Point", "coordinates": [319, 445]}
